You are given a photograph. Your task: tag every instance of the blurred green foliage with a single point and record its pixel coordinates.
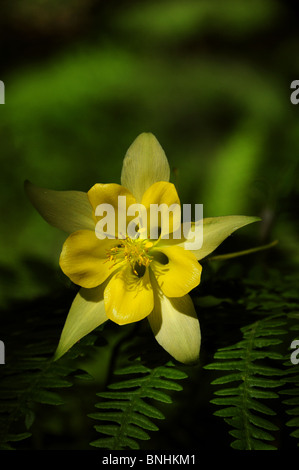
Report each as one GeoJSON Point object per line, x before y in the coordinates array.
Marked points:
{"type": "Point", "coordinates": [210, 79]}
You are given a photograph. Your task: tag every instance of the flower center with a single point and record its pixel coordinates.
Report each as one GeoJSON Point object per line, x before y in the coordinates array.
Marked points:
{"type": "Point", "coordinates": [134, 251]}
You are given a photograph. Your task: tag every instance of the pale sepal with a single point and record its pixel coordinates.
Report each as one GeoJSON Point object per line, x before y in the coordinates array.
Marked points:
{"type": "Point", "coordinates": [176, 327]}
{"type": "Point", "coordinates": [87, 312]}
{"type": "Point", "coordinates": [66, 210]}
{"type": "Point", "coordinates": [216, 230]}
{"type": "Point", "coordinates": [145, 163]}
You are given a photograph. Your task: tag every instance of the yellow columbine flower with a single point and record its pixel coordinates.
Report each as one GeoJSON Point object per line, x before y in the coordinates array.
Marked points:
{"type": "Point", "coordinates": [127, 279]}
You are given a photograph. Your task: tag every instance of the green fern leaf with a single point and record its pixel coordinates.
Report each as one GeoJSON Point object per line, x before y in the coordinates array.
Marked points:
{"type": "Point", "coordinates": [31, 378]}
{"type": "Point", "coordinates": [292, 379]}
{"type": "Point", "coordinates": [241, 405]}
{"type": "Point", "coordinates": [130, 411]}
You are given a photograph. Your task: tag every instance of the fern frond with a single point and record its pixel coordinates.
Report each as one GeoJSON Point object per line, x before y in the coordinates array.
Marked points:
{"type": "Point", "coordinates": [30, 377]}
{"type": "Point", "coordinates": [292, 379]}
{"type": "Point", "coordinates": [252, 382]}
{"type": "Point", "coordinates": [126, 405]}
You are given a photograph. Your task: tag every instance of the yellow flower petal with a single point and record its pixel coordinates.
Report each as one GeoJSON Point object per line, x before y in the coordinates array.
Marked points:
{"type": "Point", "coordinates": [67, 210]}
{"type": "Point", "coordinates": [145, 163]}
{"type": "Point", "coordinates": [176, 327]}
{"type": "Point", "coordinates": [177, 271]}
{"type": "Point", "coordinates": [109, 194]}
{"type": "Point", "coordinates": [128, 298]}
{"type": "Point", "coordinates": [163, 193]}
{"type": "Point", "coordinates": [84, 258]}
{"type": "Point", "coordinates": [86, 313]}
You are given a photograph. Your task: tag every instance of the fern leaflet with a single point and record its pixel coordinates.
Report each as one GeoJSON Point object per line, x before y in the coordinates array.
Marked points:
{"type": "Point", "coordinates": [126, 404]}
{"type": "Point", "coordinates": [292, 379]}
{"type": "Point", "coordinates": [253, 382]}
{"type": "Point", "coordinates": [31, 377]}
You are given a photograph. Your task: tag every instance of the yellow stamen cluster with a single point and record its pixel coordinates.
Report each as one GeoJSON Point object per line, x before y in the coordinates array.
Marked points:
{"type": "Point", "coordinates": [133, 251]}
